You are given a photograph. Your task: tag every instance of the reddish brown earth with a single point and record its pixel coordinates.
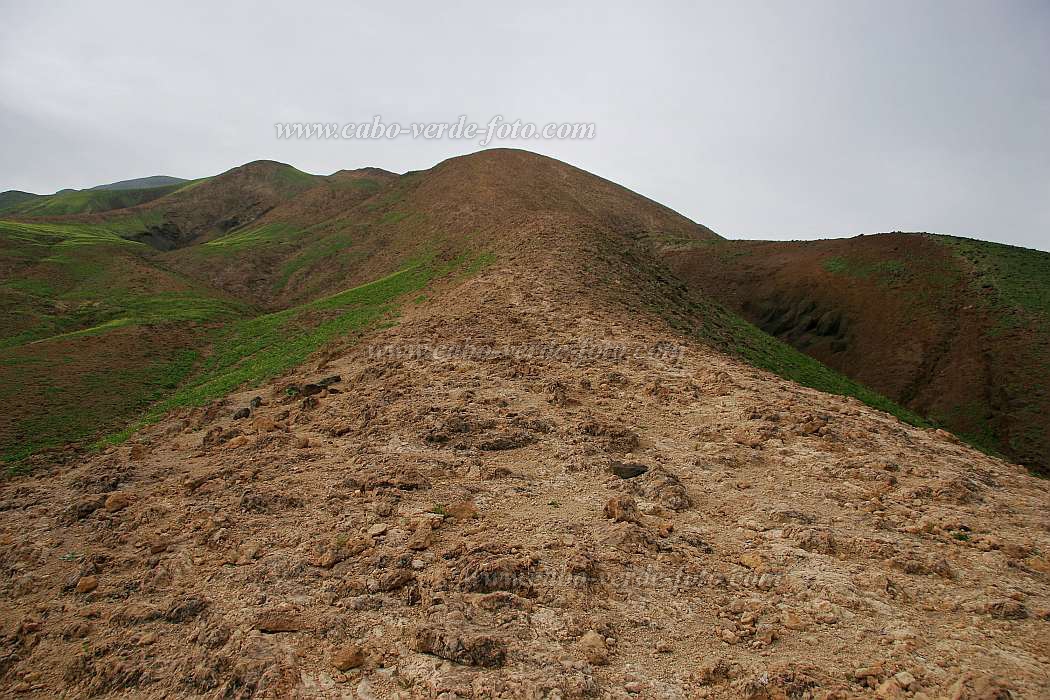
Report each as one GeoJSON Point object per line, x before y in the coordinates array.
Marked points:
{"type": "Point", "coordinates": [304, 237]}
{"type": "Point", "coordinates": [904, 314]}
{"type": "Point", "coordinates": [513, 522]}
{"type": "Point", "coordinates": [460, 204]}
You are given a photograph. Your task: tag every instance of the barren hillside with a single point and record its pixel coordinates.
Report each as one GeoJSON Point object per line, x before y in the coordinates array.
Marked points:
{"type": "Point", "coordinates": [541, 469]}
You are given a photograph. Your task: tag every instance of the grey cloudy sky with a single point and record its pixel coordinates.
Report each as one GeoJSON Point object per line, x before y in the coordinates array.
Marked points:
{"type": "Point", "coordinates": [760, 119]}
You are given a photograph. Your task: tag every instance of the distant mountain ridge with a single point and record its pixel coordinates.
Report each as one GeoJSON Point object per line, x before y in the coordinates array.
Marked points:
{"type": "Point", "coordinates": [14, 197]}
{"type": "Point", "coordinates": [142, 183]}
{"type": "Point", "coordinates": [100, 198]}
{"type": "Point", "coordinates": [11, 197]}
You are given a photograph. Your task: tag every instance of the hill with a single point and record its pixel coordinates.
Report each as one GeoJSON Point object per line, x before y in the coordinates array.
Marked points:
{"type": "Point", "coordinates": [141, 183]}
{"type": "Point", "coordinates": [261, 244]}
{"type": "Point", "coordinates": [12, 198]}
{"type": "Point", "coordinates": [68, 202]}
{"type": "Point", "coordinates": [956, 330]}
{"type": "Point", "coordinates": [478, 441]}
{"type": "Point", "coordinates": [115, 195]}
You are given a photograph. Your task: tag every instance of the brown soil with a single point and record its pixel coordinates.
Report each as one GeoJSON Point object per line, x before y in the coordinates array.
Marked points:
{"type": "Point", "coordinates": [452, 526]}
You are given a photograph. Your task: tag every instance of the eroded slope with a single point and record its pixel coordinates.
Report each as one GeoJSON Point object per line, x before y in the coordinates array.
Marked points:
{"type": "Point", "coordinates": [522, 490]}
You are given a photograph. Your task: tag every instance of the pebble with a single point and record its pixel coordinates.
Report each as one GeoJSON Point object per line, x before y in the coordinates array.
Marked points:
{"type": "Point", "coordinates": [792, 621]}
{"type": "Point", "coordinates": [86, 584]}
{"type": "Point", "coordinates": [117, 501]}
{"type": "Point", "coordinates": [348, 656]}
{"type": "Point", "coordinates": [594, 649]}
{"type": "Point", "coordinates": [905, 679]}
{"type": "Point", "coordinates": [890, 690]}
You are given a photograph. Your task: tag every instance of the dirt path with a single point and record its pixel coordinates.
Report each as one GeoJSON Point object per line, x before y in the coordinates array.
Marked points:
{"type": "Point", "coordinates": [460, 527]}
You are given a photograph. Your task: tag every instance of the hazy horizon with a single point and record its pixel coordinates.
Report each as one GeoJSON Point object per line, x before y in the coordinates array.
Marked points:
{"type": "Point", "coordinates": [759, 120]}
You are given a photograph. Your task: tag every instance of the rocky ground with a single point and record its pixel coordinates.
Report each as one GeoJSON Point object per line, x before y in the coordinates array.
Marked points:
{"type": "Point", "coordinates": [588, 523]}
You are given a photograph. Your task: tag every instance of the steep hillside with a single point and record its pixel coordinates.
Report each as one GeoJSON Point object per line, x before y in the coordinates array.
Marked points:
{"type": "Point", "coordinates": [232, 279]}
{"type": "Point", "coordinates": [255, 250]}
{"type": "Point", "coordinates": [956, 330]}
{"type": "Point", "coordinates": [540, 480]}
{"type": "Point", "coordinates": [90, 332]}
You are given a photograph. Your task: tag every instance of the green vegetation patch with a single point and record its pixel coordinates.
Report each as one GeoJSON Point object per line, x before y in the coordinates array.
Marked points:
{"type": "Point", "coordinates": [365, 184]}
{"type": "Point", "coordinates": [86, 201]}
{"type": "Point", "coordinates": [250, 351]}
{"type": "Point", "coordinates": [62, 236]}
{"type": "Point", "coordinates": [1008, 277]}
{"type": "Point", "coordinates": [267, 234]}
{"type": "Point", "coordinates": [393, 217]}
{"type": "Point", "coordinates": [885, 271]}
{"type": "Point", "coordinates": [308, 257]}
{"type": "Point", "coordinates": [92, 397]}
{"type": "Point", "coordinates": [295, 180]}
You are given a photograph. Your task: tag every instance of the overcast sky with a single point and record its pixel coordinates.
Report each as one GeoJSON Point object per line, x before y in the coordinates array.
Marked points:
{"type": "Point", "coordinates": [786, 119]}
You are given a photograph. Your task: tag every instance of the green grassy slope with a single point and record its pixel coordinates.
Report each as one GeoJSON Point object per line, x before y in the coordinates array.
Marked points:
{"type": "Point", "coordinates": [1012, 286]}
{"type": "Point", "coordinates": [252, 350]}
{"type": "Point", "coordinates": [1014, 281]}
{"type": "Point", "coordinates": [85, 201]}
{"type": "Point", "coordinates": [12, 198]}
{"type": "Point", "coordinates": [90, 332]}
{"type": "Point", "coordinates": [95, 334]}
{"type": "Point", "coordinates": [141, 183]}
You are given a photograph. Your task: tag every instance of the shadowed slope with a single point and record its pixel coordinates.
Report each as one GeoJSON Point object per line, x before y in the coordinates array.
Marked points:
{"type": "Point", "coordinates": [955, 329]}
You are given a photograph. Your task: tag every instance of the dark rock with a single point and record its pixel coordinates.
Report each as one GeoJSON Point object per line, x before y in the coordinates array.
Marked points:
{"type": "Point", "coordinates": [255, 501]}
{"type": "Point", "coordinates": [507, 441]}
{"type": "Point", "coordinates": [83, 508]}
{"type": "Point", "coordinates": [1008, 610]}
{"type": "Point", "coordinates": [185, 608]}
{"type": "Point", "coordinates": [373, 479]}
{"type": "Point", "coordinates": [242, 413]}
{"type": "Point", "coordinates": [463, 644]}
{"type": "Point", "coordinates": [617, 438]}
{"type": "Point", "coordinates": [487, 574]}
{"type": "Point", "coordinates": [627, 470]}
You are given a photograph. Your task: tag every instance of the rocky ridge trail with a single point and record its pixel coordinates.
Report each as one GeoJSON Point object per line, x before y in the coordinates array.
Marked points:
{"type": "Point", "coordinates": [652, 525]}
